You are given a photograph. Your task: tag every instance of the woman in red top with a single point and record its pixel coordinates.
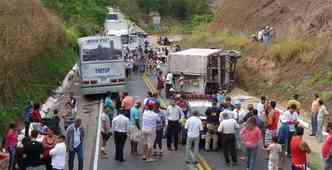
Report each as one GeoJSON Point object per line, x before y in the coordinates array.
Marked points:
{"type": "Point", "coordinates": [299, 151]}
{"type": "Point", "coordinates": [272, 119]}
{"type": "Point", "coordinates": [160, 81]}
{"type": "Point", "coordinates": [49, 142]}
{"type": "Point", "coordinates": [10, 145]}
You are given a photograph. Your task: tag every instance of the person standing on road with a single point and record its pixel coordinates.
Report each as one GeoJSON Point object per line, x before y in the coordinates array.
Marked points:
{"type": "Point", "coordinates": [160, 82]}
{"type": "Point", "coordinates": [327, 148]}
{"type": "Point", "coordinates": [127, 103]}
{"type": "Point", "coordinates": [314, 113]}
{"type": "Point", "coordinates": [295, 101]}
{"type": "Point", "coordinates": [48, 142]}
{"type": "Point", "coordinates": [120, 129]}
{"type": "Point", "coordinates": [291, 118]}
{"type": "Point", "coordinates": [272, 120]}
{"type": "Point", "coordinates": [251, 135]}
{"type": "Point", "coordinates": [74, 141]}
{"type": "Point", "coordinates": [322, 113]}
{"type": "Point", "coordinates": [58, 154]}
{"type": "Point", "coordinates": [159, 130]}
{"type": "Point", "coordinates": [10, 145]}
{"type": "Point", "coordinates": [168, 84]}
{"type": "Point", "coordinates": [174, 114]}
{"type": "Point", "coordinates": [299, 151]}
{"type": "Point", "coordinates": [212, 115]}
{"type": "Point", "coordinates": [194, 126]}
{"type": "Point", "coordinates": [228, 128]}
{"type": "Point", "coordinates": [105, 132]}
{"type": "Point", "coordinates": [36, 117]}
{"type": "Point", "coordinates": [135, 127]}
{"type": "Point", "coordinates": [260, 107]}
{"type": "Point", "coordinates": [27, 118]}
{"type": "Point", "coordinates": [109, 106]}
{"type": "Point", "coordinates": [33, 153]}
{"type": "Point", "coordinates": [150, 119]}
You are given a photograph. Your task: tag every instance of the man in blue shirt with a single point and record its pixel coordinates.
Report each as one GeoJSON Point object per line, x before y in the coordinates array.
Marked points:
{"type": "Point", "coordinates": [135, 127]}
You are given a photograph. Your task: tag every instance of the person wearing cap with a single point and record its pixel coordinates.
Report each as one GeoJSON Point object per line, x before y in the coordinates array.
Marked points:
{"type": "Point", "coordinates": [173, 114]}
{"type": "Point", "coordinates": [193, 126]}
{"type": "Point", "coordinates": [150, 119]}
{"type": "Point", "coordinates": [212, 115]}
{"type": "Point", "coordinates": [228, 128]}
{"type": "Point", "coordinates": [135, 127]}
{"type": "Point", "coordinates": [238, 112]}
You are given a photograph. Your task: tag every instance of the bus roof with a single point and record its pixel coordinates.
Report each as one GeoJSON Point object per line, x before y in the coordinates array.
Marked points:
{"type": "Point", "coordinates": [92, 42]}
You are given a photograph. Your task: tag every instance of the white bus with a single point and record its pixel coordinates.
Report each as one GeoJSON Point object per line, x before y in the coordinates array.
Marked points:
{"type": "Point", "coordinates": [101, 65]}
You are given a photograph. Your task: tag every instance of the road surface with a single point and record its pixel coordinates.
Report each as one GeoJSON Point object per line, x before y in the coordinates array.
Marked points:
{"type": "Point", "coordinates": [171, 160]}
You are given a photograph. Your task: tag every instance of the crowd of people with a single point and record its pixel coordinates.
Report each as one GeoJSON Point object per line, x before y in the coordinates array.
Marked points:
{"type": "Point", "coordinates": [44, 142]}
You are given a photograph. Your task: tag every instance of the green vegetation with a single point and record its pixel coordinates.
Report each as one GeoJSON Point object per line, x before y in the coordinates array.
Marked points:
{"type": "Point", "coordinates": [43, 51]}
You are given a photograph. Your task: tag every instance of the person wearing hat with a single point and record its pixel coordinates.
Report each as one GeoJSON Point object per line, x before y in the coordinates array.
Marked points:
{"type": "Point", "coordinates": [150, 119]}
{"type": "Point", "coordinates": [212, 115]}
{"type": "Point", "coordinates": [228, 127]}
{"type": "Point", "coordinates": [173, 114]}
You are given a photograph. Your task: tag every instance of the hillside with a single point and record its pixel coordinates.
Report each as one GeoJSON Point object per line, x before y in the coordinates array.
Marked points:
{"type": "Point", "coordinates": [297, 61]}
{"type": "Point", "coordinates": [36, 47]}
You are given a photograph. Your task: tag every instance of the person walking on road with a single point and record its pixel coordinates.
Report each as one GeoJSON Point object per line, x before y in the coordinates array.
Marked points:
{"type": "Point", "coordinates": [150, 119]}
{"type": "Point", "coordinates": [120, 129]}
{"type": "Point", "coordinates": [74, 141]}
{"type": "Point", "coordinates": [327, 148]}
{"type": "Point", "coordinates": [105, 132]}
{"type": "Point", "coordinates": [212, 115]}
{"type": "Point", "coordinates": [299, 151]}
{"type": "Point", "coordinates": [274, 150]}
{"type": "Point", "coordinates": [193, 126]}
{"type": "Point", "coordinates": [58, 154]}
{"type": "Point", "coordinates": [321, 116]}
{"type": "Point", "coordinates": [160, 82]}
{"type": "Point", "coordinates": [228, 128]}
{"type": "Point", "coordinates": [251, 135]}
{"type": "Point", "coordinates": [135, 127]}
{"type": "Point", "coordinates": [174, 114]}
{"type": "Point", "coordinates": [314, 113]}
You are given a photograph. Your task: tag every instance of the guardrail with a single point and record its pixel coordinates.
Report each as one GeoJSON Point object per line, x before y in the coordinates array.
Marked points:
{"type": "Point", "coordinates": [97, 146]}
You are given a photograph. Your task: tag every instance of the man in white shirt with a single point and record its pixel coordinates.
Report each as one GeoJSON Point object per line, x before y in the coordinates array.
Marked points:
{"type": "Point", "coordinates": [150, 119]}
{"type": "Point", "coordinates": [168, 84]}
{"type": "Point", "coordinates": [74, 140]}
{"type": "Point", "coordinates": [193, 126]}
{"type": "Point", "coordinates": [120, 125]}
{"type": "Point", "coordinates": [291, 118]}
{"type": "Point", "coordinates": [228, 128]}
{"type": "Point", "coordinates": [58, 154]}
{"type": "Point", "coordinates": [238, 112]}
{"type": "Point", "coordinates": [173, 114]}
{"type": "Point", "coordinates": [260, 107]}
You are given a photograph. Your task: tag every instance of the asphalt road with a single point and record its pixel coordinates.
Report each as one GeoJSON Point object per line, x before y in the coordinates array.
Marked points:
{"type": "Point", "coordinates": [171, 160]}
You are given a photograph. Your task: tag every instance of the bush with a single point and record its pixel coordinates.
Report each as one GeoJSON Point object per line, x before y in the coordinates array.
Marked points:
{"type": "Point", "coordinates": [288, 50]}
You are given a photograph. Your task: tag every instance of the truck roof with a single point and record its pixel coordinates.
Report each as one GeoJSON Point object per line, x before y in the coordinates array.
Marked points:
{"type": "Point", "coordinates": [198, 52]}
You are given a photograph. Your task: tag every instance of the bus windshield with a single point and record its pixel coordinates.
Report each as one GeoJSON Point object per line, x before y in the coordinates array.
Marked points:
{"type": "Point", "coordinates": [101, 54]}
{"type": "Point", "coordinates": [112, 17]}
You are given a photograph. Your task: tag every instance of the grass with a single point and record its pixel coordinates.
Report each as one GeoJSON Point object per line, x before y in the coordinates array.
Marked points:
{"type": "Point", "coordinates": [287, 50]}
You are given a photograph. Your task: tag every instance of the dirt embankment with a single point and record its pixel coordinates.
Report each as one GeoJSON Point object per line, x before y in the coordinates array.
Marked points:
{"type": "Point", "coordinates": [26, 30]}
{"type": "Point", "coordinates": [299, 58]}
